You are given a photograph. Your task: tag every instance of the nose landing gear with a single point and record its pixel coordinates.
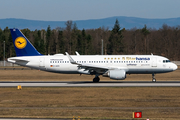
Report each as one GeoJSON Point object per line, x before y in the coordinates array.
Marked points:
{"type": "Point", "coordinates": [153, 78]}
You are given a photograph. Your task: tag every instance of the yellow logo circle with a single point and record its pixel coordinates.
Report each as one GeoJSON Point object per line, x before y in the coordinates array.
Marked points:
{"type": "Point", "coordinates": [20, 42]}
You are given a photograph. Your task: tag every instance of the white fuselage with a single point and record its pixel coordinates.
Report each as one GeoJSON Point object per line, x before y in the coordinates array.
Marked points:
{"type": "Point", "coordinates": [131, 64]}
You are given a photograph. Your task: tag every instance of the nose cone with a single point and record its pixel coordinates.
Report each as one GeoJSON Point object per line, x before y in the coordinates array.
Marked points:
{"type": "Point", "coordinates": [174, 66]}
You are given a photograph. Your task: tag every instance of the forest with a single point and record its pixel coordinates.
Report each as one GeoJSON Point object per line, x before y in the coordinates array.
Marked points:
{"type": "Point", "coordinates": [116, 41]}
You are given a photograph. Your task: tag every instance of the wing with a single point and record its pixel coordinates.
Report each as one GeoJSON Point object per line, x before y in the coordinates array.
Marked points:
{"type": "Point", "coordinates": [93, 69]}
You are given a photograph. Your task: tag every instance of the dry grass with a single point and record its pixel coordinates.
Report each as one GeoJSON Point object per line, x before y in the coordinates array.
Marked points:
{"type": "Point", "coordinates": [154, 102]}
{"type": "Point", "coordinates": [111, 102]}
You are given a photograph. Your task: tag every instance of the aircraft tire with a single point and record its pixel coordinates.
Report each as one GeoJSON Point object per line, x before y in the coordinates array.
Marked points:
{"type": "Point", "coordinates": [96, 79]}
{"type": "Point", "coordinates": [153, 80]}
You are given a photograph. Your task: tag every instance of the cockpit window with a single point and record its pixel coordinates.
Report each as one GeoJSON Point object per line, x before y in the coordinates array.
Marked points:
{"type": "Point", "coordinates": [166, 61]}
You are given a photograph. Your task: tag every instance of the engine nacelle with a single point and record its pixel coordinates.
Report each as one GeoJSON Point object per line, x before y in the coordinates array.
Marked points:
{"type": "Point", "coordinates": [117, 74]}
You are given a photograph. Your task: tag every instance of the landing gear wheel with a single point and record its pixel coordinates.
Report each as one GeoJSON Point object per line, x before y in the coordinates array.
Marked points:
{"type": "Point", "coordinates": [96, 79]}
{"type": "Point", "coordinates": [153, 78]}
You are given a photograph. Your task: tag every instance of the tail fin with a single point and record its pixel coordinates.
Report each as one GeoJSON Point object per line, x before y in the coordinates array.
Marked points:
{"type": "Point", "coordinates": [22, 45]}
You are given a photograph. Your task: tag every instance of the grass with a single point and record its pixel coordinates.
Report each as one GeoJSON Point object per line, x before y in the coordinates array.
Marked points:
{"type": "Point", "coordinates": [54, 102]}
{"type": "Point", "coordinates": [87, 102]}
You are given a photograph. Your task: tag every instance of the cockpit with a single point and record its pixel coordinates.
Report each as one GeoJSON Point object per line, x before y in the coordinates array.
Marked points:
{"type": "Point", "coordinates": [166, 61]}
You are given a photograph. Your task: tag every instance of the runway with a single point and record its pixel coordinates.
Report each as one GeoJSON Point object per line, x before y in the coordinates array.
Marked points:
{"type": "Point", "coordinates": [91, 84]}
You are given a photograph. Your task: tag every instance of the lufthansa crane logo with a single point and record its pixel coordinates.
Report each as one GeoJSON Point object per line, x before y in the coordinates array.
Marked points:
{"type": "Point", "coordinates": [20, 42]}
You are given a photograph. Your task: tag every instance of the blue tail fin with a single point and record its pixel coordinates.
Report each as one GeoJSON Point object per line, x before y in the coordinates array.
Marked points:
{"type": "Point", "coordinates": [22, 45]}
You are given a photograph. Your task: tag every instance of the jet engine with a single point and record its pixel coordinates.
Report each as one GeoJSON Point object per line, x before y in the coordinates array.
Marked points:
{"type": "Point", "coordinates": [117, 74]}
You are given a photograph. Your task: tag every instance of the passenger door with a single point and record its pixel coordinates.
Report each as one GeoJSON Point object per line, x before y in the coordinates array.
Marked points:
{"type": "Point", "coordinates": [154, 62]}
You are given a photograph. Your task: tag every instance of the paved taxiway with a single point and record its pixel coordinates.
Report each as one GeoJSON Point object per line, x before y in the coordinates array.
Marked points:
{"type": "Point", "coordinates": [91, 84]}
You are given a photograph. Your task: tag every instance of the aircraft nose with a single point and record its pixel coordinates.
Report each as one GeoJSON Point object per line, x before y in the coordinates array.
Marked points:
{"type": "Point", "coordinates": [174, 66]}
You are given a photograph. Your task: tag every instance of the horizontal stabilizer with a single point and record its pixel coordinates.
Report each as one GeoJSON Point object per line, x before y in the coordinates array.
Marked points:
{"type": "Point", "coordinates": [17, 59]}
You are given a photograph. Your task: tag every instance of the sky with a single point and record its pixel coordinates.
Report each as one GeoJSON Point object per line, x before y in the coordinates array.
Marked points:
{"type": "Point", "coordinates": [63, 10]}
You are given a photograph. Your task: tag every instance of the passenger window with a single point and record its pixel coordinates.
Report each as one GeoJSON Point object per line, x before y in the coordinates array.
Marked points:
{"type": "Point", "coordinates": [168, 61]}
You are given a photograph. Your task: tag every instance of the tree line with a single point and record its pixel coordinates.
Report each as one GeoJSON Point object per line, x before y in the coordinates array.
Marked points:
{"type": "Point", "coordinates": [119, 41]}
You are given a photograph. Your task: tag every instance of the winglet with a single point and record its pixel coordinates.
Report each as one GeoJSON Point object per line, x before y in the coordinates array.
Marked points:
{"type": "Point", "coordinates": [70, 59]}
{"type": "Point", "coordinates": [77, 53]}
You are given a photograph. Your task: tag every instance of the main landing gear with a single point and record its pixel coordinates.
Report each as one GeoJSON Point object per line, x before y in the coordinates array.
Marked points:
{"type": "Point", "coordinates": [153, 78]}
{"type": "Point", "coordinates": [96, 79]}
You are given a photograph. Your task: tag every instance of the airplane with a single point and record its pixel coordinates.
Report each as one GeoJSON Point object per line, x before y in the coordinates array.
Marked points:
{"type": "Point", "coordinates": [113, 66]}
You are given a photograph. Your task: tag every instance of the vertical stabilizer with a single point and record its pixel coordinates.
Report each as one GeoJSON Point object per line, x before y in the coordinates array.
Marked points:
{"type": "Point", "coordinates": [22, 45]}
